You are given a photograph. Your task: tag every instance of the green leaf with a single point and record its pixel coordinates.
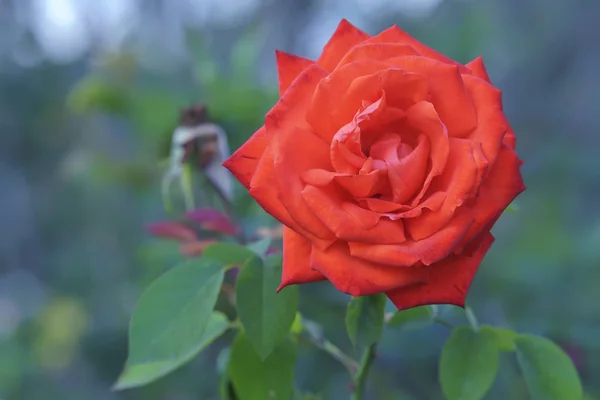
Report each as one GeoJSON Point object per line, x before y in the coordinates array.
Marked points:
{"type": "Point", "coordinates": [228, 253]}
{"type": "Point", "coordinates": [260, 247]}
{"type": "Point", "coordinates": [144, 373]}
{"type": "Point", "coordinates": [222, 365]}
{"type": "Point", "coordinates": [547, 369]}
{"type": "Point", "coordinates": [232, 253]}
{"type": "Point", "coordinates": [412, 318]}
{"type": "Point", "coordinates": [505, 338]}
{"type": "Point", "coordinates": [364, 319]}
{"type": "Point", "coordinates": [173, 321]}
{"type": "Point", "coordinates": [267, 316]}
{"type": "Point", "coordinates": [469, 364]}
{"type": "Point", "coordinates": [253, 378]}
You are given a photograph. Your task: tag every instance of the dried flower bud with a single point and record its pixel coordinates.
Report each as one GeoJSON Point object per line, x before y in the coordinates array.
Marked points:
{"type": "Point", "coordinates": [193, 116]}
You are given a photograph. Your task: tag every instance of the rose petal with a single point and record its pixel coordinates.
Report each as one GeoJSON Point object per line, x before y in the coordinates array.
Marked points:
{"type": "Point", "coordinates": [356, 276]}
{"type": "Point", "coordinates": [343, 39]}
{"type": "Point", "coordinates": [405, 174]}
{"type": "Point", "coordinates": [402, 89]}
{"type": "Point", "coordinates": [296, 260]}
{"type": "Point", "coordinates": [253, 167]}
{"type": "Point", "coordinates": [357, 185]}
{"type": "Point", "coordinates": [290, 111]}
{"type": "Point", "coordinates": [364, 185]}
{"type": "Point", "coordinates": [499, 189]}
{"type": "Point", "coordinates": [491, 121]}
{"type": "Point", "coordinates": [482, 166]}
{"type": "Point", "coordinates": [264, 191]}
{"type": "Point", "coordinates": [242, 163]}
{"type": "Point", "coordinates": [397, 35]}
{"type": "Point", "coordinates": [431, 203]}
{"type": "Point", "coordinates": [327, 97]}
{"type": "Point", "coordinates": [459, 181]}
{"type": "Point", "coordinates": [478, 69]}
{"type": "Point", "coordinates": [427, 251]}
{"type": "Point", "coordinates": [377, 51]}
{"type": "Point", "coordinates": [289, 66]}
{"type": "Point", "coordinates": [346, 149]}
{"type": "Point", "coordinates": [333, 210]}
{"type": "Point", "coordinates": [424, 119]}
{"type": "Point", "coordinates": [447, 282]}
{"type": "Point", "coordinates": [448, 94]}
{"type": "Point", "coordinates": [349, 143]}
{"type": "Point", "coordinates": [296, 149]}
{"type": "Point", "coordinates": [510, 139]}
{"type": "Point", "coordinates": [291, 160]}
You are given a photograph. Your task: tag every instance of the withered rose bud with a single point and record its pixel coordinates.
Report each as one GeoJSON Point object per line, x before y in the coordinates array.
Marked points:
{"type": "Point", "coordinates": [194, 115]}
{"type": "Point", "coordinates": [203, 144]}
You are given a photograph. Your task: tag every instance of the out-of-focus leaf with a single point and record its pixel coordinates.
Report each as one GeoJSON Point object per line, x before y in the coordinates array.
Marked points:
{"type": "Point", "coordinates": [268, 379]}
{"type": "Point", "coordinates": [13, 362]}
{"type": "Point", "coordinates": [513, 207]}
{"type": "Point", "coordinates": [155, 114]}
{"type": "Point", "coordinates": [266, 315]}
{"type": "Point", "coordinates": [261, 246]}
{"type": "Point", "coordinates": [122, 65]}
{"type": "Point", "coordinates": [469, 364]}
{"type": "Point", "coordinates": [312, 397]}
{"type": "Point", "coordinates": [364, 319]}
{"type": "Point", "coordinates": [245, 53]}
{"type": "Point", "coordinates": [93, 93]}
{"type": "Point", "coordinates": [61, 324]}
{"type": "Point", "coordinates": [173, 321]}
{"type": "Point", "coordinates": [137, 174]}
{"type": "Point", "coordinates": [547, 369]}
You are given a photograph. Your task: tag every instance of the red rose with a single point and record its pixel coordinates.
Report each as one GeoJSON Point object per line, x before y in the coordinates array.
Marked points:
{"type": "Point", "coordinates": [388, 163]}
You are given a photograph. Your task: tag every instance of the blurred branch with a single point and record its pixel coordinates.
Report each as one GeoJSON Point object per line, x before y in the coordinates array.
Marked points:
{"type": "Point", "coordinates": [314, 336]}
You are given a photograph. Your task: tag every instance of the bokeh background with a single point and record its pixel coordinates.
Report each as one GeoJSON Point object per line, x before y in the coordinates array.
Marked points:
{"type": "Point", "coordinates": [89, 96]}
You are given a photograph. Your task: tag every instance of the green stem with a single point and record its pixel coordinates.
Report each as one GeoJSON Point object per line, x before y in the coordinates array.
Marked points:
{"type": "Point", "coordinates": [335, 352]}
{"type": "Point", "coordinates": [237, 324]}
{"type": "Point", "coordinates": [360, 379]}
{"type": "Point", "coordinates": [443, 322]}
{"type": "Point", "coordinates": [471, 318]}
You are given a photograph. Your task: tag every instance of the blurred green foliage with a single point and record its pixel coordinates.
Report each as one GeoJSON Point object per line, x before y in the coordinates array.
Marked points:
{"type": "Point", "coordinates": [88, 142]}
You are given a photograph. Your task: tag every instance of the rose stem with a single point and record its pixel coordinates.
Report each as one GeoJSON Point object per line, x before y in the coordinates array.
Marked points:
{"type": "Point", "coordinates": [471, 318]}
{"type": "Point", "coordinates": [443, 322]}
{"type": "Point", "coordinates": [360, 380]}
{"type": "Point", "coordinates": [334, 351]}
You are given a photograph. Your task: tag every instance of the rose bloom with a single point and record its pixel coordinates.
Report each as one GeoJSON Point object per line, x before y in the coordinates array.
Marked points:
{"type": "Point", "coordinates": [388, 163]}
